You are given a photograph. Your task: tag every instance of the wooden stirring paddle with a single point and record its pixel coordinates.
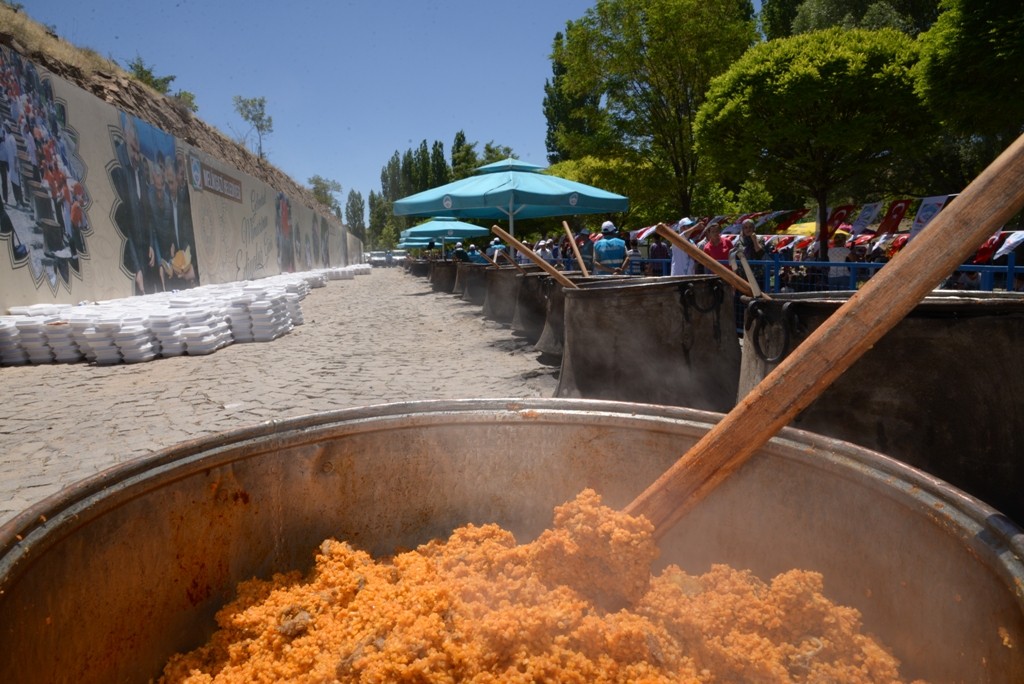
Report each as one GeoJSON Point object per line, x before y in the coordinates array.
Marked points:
{"type": "Point", "coordinates": [534, 257]}
{"type": "Point", "coordinates": [952, 236]}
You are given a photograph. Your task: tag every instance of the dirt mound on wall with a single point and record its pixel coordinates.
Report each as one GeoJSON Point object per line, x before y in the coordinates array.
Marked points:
{"type": "Point", "coordinates": [115, 86]}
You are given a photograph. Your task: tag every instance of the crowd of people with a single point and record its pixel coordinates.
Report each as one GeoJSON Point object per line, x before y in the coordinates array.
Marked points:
{"type": "Point", "coordinates": [797, 261]}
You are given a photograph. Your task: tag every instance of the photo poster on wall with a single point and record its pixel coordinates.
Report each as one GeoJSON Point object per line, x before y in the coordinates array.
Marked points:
{"type": "Point", "coordinates": [99, 204]}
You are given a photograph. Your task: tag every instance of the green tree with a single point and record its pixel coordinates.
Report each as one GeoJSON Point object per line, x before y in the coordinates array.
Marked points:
{"type": "Point", "coordinates": [494, 152]}
{"type": "Point", "coordinates": [652, 61]}
{"type": "Point", "coordinates": [782, 18]}
{"type": "Point", "coordinates": [324, 190]}
{"type": "Point", "coordinates": [391, 179]}
{"type": "Point", "coordinates": [440, 173]}
{"type": "Point", "coordinates": [464, 157]}
{"type": "Point", "coordinates": [380, 212]}
{"type": "Point", "coordinates": [187, 100]}
{"type": "Point", "coordinates": [253, 111]}
{"type": "Point", "coordinates": [355, 214]}
{"type": "Point", "coordinates": [144, 73]}
{"type": "Point", "coordinates": [815, 112]}
{"type": "Point", "coordinates": [777, 17]}
{"type": "Point", "coordinates": [421, 168]}
{"type": "Point", "coordinates": [971, 72]}
{"type": "Point", "coordinates": [573, 119]}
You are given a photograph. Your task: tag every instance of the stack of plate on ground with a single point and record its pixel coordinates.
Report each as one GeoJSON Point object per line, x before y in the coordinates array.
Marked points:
{"type": "Point", "coordinates": [316, 279]}
{"type": "Point", "coordinates": [32, 338]}
{"type": "Point", "coordinates": [269, 314]}
{"type": "Point", "coordinates": [61, 342]}
{"type": "Point", "coordinates": [207, 329]}
{"type": "Point", "coordinates": [238, 317]}
{"type": "Point", "coordinates": [101, 338]}
{"type": "Point", "coordinates": [294, 304]}
{"type": "Point", "coordinates": [11, 353]}
{"type": "Point", "coordinates": [166, 326]}
{"type": "Point", "coordinates": [340, 274]}
{"type": "Point", "coordinates": [81, 320]}
{"type": "Point", "coordinates": [135, 340]}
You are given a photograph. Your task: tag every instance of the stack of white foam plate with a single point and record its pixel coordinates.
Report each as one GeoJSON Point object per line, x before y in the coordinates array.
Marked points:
{"type": "Point", "coordinates": [135, 341]}
{"type": "Point", "coordinates": [206, 339]}
{"type": "Point", "coordinates": [166, 326]}
{"type": "Point", "coordinates": [101, 338]}
{"type": "Point", "coordinates": [294, 304]}
{"type": "Point", "coordinates": [81, 320]}
{"type": "Point", "coordinates": [32, 338]}
{"type": "Point", "coordinates": [11, 353]}
{"type": "Point", "coordinates": [270, 318]}
{"type": "Point", "coordinates": [62, 344]}
{"type": "Point", "coordinates": [316, 279]}
{"type": "Point", "coordinates": [238, 317]}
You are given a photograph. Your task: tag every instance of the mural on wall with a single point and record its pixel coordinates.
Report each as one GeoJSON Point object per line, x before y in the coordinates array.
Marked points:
{"type": "Point", "coordinates": [153, 209]}
{"type": "Point", "coordinates": [156, 215]}
{"type": "Point", "coordinates": [44, 224]}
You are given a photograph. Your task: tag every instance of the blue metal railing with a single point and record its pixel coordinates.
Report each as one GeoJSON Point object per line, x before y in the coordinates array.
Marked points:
{"type": "Point", "coordinates": [778, 275]}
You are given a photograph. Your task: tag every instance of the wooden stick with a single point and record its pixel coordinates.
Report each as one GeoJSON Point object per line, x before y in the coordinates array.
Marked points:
{"type": "Point", "coordinates": [699, 255]}
{"type": "Point", "coordinates": [509, 259]}
{"type": "Point", "coordinates": [754, 286]}
{"type": "Point", "coordinates": [576, 250]}
{"type": "Point", "coordinates": [948, 240]}
{"type": "Point", "coordinates": [535, 258]}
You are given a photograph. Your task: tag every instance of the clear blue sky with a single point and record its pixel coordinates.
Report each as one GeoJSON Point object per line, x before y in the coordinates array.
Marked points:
{"type": "Point", "coordinates": [347, 83]}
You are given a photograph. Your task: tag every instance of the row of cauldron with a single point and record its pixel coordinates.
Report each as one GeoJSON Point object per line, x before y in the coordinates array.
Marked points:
{"type": "Point", "coordinates": [940, 392]}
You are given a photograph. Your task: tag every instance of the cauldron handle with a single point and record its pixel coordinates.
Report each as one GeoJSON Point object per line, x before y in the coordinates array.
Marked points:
{"type": "Point", "coordinates": [952, 236]}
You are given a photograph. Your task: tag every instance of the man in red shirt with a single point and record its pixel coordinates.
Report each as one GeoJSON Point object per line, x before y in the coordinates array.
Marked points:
{"type": "Point", "coordinates": [717, 246]}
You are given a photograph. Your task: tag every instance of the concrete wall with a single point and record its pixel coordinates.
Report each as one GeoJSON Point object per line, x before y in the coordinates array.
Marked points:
{"type": "Point", "coordinates": [101, 205]}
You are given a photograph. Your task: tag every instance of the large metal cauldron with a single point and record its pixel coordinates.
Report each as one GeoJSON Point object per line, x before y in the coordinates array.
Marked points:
{"type": "Point", "coordinates": [502, 287]}
{"type": "Point", "coordinates": [668, 340]}
{"type": "Point", "coordinates": [552, 336]}
{"type": "Point", "coordinates": [104, 581]}
{"type": "Point", "coordinates": [531, 305]}
{"type": "Point", "coordinates": [941, 391]}
{"type": "Point", "coordinates": [442, 275]}
{"type": "Point", "coordinates": [419, 267]}
{"type": "Point", "coordinates": [471, 282]}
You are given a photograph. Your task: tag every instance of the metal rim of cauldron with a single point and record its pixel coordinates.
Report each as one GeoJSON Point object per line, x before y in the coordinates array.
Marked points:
{"type": "Point", "coordinates": [19, 535]}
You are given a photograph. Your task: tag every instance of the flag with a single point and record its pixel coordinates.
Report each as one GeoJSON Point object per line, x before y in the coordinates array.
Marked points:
{"type": "Point", "coordinates": [795, 216]}
{"type": "Point", "coordinates": [897, 210]}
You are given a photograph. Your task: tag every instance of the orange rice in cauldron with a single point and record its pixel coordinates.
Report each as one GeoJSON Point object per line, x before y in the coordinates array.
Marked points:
{"type": "Point", "coordinates": [578, 604]}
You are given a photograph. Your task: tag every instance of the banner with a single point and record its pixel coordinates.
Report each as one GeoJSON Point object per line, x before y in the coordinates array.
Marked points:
{"type": "Point", "coordinates": [865, 216]}
{"type": "Point", "coordinates": [930, 206]}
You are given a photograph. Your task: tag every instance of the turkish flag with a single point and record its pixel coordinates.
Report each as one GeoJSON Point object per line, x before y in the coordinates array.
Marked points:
{"type": "Point", "coordinates": [891, 221]}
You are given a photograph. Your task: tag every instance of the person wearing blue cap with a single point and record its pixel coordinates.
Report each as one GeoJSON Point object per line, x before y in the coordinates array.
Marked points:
{"type": "Point", "coordinates": [609, 251]}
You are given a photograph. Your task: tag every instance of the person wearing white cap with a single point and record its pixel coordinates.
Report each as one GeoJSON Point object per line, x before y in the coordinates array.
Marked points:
{"type": "Point", "coordinates": [544, 251]}
{"type": "Point", "coordinates": [494, 248]}
{"type": "Point", "coordinates": [609, 251]}
{"type": "Point", "coordinates": [459, 254]}
{"type": "Point", "coordinates": [683, 263]}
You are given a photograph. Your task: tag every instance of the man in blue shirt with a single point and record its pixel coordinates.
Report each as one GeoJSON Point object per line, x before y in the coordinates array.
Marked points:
{"type": "Point", "coordinates": [609, 251]}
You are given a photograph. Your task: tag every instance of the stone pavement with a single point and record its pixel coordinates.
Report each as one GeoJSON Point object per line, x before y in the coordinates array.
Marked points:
{"type": "Point", "coordinates": [380, 338]}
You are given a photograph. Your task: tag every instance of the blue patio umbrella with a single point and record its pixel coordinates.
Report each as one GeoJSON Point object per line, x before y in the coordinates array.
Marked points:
{"type": "Point", "coordinates": [511, 189]}
{"type": "Point", "coordinates": [446, 227]}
